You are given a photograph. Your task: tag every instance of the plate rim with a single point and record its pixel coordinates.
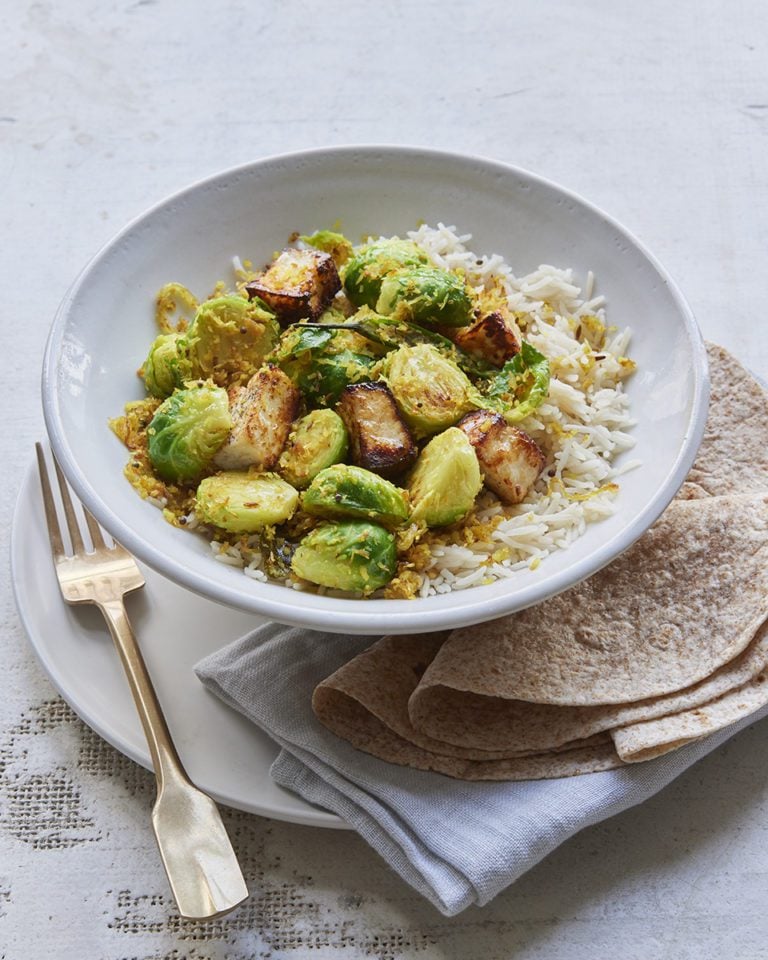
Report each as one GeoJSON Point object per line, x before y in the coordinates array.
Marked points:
{"type": "Point", "coordinates": [340, 615]}
{"type": "Point", "coordinates": [314, 817]}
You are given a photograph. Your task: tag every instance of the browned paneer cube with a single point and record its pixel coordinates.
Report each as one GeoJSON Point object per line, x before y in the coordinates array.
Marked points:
{"type": "Point", "coordinates": [510, 460]}
{"type": "Point", "coordinates": [299, 284]}
{"type": "Point", "coordinates": [494, 338]}
{"type": "Point", "coordinates": [262, 413]}
{"type": "Point", "coordinates": [378, 438]}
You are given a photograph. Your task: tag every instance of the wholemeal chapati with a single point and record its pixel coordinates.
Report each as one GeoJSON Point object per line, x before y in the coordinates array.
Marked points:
{"type": "Point", "coordinates": [495, 724]}
{"type": "Point", "coordinates": [684, 600]}
{"type": "Point", "coordinates": [375, 687]}
{"type": "Point", "coordinates": [643, 741]}
{"type": "Point", "coordinates": [666, 645]}
{"type": "Point", "coordinates": [348, 717]}
{"type": "Point", "coordinates": [733, 456]}
{"type": "Point", "coordinates": [366, 703]}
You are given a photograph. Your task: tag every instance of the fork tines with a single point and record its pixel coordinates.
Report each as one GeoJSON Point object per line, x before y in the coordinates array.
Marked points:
{"type": "Point", "coordinates": [51, 515]}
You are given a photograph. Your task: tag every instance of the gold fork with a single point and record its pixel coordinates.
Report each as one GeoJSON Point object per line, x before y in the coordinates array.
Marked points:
{"type": "Point", "coordinates": [202, 869]}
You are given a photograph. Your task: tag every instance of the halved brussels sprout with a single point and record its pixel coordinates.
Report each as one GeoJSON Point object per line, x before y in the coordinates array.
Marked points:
{"type": "Point", "coordinates": [327, 376]}
{"type": "Point", "coordinates": [425, 295]}
{"type": "Point", "coordinates": [187, 430]}
{"type": "Point", "coordinates": [445, 480]}
{"type": "Point", "coordinates": [311, 357]}
{"type": "Point", "coordinates": [363, 274]}
{"type": "Point", "coordinates": [346, 491]}
{"type": "Point", "coordinates": [166, 366]}
{"type": "Point", "coordinates": [347, 556]}
{"type": "Point", "coordinates": [229, 338]}
{"type": "Point", "coordinates": [330, 242]}
{"type": "Point", "coordinates": [521, 385]}
{"type": "Point", "coordinates": [317, 441]}
{"type": "Point", "coordinates": [430, 390]}
{"type": "Point", "coordinates": [245, 502]}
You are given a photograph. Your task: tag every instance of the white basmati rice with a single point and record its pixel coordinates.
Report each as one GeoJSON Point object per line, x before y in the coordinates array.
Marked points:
{"type": "Point", "coordinates": [582, 425]}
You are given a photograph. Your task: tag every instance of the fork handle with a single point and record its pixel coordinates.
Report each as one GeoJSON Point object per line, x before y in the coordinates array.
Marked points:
{"type": "Point", "coordinates": [199, 861]}
{"type": "Point", "coordinates": [165, 759]}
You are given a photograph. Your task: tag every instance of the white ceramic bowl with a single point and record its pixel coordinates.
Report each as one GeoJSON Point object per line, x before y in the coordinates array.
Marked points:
{"type": "Point", "coordinates": [102, 330]}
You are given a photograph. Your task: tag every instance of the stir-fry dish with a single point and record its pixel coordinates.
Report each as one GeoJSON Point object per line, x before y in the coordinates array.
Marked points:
{"type": "Point", "coordinates": [396, 419]}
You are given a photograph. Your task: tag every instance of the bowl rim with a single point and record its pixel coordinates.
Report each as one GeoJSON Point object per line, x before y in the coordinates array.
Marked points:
{"type": "Point", "coordinates": [353, 615]}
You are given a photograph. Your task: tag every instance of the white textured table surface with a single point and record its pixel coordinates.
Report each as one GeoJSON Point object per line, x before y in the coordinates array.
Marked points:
{"type": "Point", "coordinates": [657, 112]}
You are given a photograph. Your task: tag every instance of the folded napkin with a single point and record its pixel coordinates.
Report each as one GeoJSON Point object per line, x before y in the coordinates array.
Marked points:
{"type": "Point", "coordinates": [458, 843]}
{"type": "Point", "coordinates": [473, 706]}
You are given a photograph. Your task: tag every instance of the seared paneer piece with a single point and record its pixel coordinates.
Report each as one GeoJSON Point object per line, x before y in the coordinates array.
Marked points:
{"type": "Point", "coordinates": [262, 412]}
{"type": "Point", "coordinates": [299, 284]}
{"type": "Point", "coordinates": [510, 460]}
{"type": "Point", "coordinates": [378, 439]}
{"type": "Point", "coordinates": [494, 338]}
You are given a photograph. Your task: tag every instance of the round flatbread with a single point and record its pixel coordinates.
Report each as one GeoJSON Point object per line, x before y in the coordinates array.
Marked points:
{"type": "Point", "coordinates": [684, 600]}
{"type": "Point", "coordinates": [501, 726]}
{"type": "Point", "coordinates": [733, 456]}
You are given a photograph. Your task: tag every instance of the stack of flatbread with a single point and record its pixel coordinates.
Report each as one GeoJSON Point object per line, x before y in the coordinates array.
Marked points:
{"type": "Point", "coordinates": [666, 645]}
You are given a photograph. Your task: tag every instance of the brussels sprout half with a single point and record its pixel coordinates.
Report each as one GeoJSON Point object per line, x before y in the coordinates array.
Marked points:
{"type": "Point", "coordinates": [363, 274]}
{"type": "Point", "coordinates": [346, 491]}
{"type": "Point", "coordinates": [330, 242]}
{"type": "Point", "coordinates": [311, 357]}
{"type": "Point", "coordinates": [521, 385]}
{"type": "Point", "coordinates": [229, 338]}
{"type": "Point", "coordinates": [347, 556]}
{"type": "Point", "coordinates": [245, 502]}
{"type": "Point", "coordinates": [431, 392]}
{"type": "Point", "coordinates": [317, 441]}
{"type": "Point", "coordinates": [166, 366]}
{"type": "Point", "coordinates": [187, 430]}
{"type": "Point", "coordinates": [425, 295]}
{"type": "Point", "coordinates": [445, 480]}
{"type": "Point", "coordinates": [327, 376]}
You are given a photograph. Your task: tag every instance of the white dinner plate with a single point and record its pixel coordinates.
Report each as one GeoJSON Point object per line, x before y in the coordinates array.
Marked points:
{"type": "Point", "coordinates": [224, 754]}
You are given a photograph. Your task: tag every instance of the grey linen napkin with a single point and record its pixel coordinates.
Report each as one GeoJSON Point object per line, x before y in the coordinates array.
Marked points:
{"type": "Point", "coordinates": [457, 843]}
